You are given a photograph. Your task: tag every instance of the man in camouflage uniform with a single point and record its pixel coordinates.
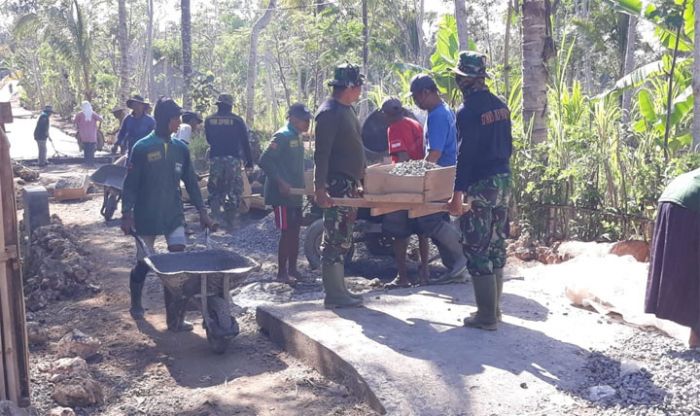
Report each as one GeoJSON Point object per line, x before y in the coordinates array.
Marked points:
{"type": "Point", "coordinates": [483, 177]}
{"type": "Point", "coordinates": [227, 135]}
{"type": "Point", "coordinates": [340, 166]}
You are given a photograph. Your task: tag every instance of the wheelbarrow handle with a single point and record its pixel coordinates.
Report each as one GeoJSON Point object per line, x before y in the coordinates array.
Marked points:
{"type": "Point", "coordinates": [142, 244]}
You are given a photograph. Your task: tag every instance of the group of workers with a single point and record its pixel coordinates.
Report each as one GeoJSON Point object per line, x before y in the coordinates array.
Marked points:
{"type": "Point", "coordinates": [476, 138]}
{"type": "Point", "coordinates": [159, 161]}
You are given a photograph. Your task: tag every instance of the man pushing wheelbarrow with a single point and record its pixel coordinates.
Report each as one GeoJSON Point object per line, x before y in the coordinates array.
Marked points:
{"type": "Point", "coordinates": [152, 204]}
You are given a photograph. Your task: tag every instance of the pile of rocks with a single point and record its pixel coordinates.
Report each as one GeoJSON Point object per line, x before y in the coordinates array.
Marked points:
{"type": "Point", "coordinates": [413, 168]}
{"type": "Point", "coordinates": [58, 268]}
{"type": "Point", "coordinates": [528, 249]}
{"type": "Point", "coordinates": [647, 374]}
{"type": "Point", "coordinates": [73, 384]}
{"type": "Point", "coordinates": [24, 173]}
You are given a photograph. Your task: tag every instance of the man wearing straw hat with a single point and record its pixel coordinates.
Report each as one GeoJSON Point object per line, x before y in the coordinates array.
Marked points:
{"type": "Point", "coordinates": [136, 125]}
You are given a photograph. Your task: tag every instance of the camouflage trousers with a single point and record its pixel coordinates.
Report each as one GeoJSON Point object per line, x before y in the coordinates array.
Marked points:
{"type": "Point", "coordinates": [484, 226]}
{"type": "Point", "coordinates": [225, 187]}
{"type": "Point", "coordinates": [338, 222]}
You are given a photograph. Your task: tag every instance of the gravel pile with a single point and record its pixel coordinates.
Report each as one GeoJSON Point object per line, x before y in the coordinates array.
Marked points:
{"type": "Point", "coordinates": [648, 374]}
{"type": "Point", "coordinates": [58, 268]}
{"type": "Point", "coordinates": [413, 168]}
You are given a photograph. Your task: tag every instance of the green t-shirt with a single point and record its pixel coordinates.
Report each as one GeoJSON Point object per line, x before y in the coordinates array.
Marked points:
{"type": "Point", "coordinates": [152, 185]}
{"type": "Point", "coordinates": [284, 159]}
{"type": "Point", "coordinates": [684, 191]}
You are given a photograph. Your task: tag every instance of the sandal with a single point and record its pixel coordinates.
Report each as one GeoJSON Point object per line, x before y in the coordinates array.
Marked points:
{"type": "Point", "coordinates": [397, 284]}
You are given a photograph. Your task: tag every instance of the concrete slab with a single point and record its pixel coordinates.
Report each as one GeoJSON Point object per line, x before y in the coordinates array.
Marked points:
{"type": "Point", "coordinates": [406, 353]}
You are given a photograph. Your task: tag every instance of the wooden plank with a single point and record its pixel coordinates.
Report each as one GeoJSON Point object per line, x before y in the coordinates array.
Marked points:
{"type": "Point", "coordinates": [408, 198]}
{"type": "Point", "coordinates": [354, 202]}
{"type": "Point", "coordinates": [300, 191]}
{"type": "Point", "coordinates": [431, 208]}
{"type": "Point", "coordinates": [384, 210]}
{"type": "Point", "coordinates": [15, 344]}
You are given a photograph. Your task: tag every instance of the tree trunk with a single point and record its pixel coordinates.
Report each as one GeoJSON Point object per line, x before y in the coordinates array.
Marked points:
{"type": "Point", "coordinates": [258, 27]}
{"type": "Point", "coordinates": [629, 67]}
{"type": "Point", "coordinates": [122, 39]}
{"type": "Point", "coordinates": [506, 51]}
{"type": "Point", "coordinates": [186, 32]}
{"type": "Point", "coordinates": [147, 82]}
{"type": "Point", "coordinates": [364, 108]}
{"type": "Point", "coordinates": [462, 29]}
{"type": "Point", "coordinates": [534, 35]}
{"type": "Point", "coordinates": [696, 81]}
{"type": "Point", "coordinates": [420, 17]}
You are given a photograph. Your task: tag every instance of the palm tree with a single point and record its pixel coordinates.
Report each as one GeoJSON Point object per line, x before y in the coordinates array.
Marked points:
{"type": "Point", "coordinates": [462, 29]}
{"type": "Point", "coordinates": [696, 81]}
{"type": "Point", "coordinates": [64, 26]}
{"type": "Point", "coordinates": [536, 50]}
{"type": "Point", "coordinates": [123, 41]}
{"type": "Point", "coordinates": [258, 27]}
{"type": "Point", "coordinates": [186, 31]}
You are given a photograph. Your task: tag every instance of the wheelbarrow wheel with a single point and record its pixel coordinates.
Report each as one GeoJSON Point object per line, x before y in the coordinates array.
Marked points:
{"type": "Point", "coordinates": [220, 315]}
{"type": "Point", "coordinates": [109, 206]}
{"type": "Point", "coordinates": [312, 245]}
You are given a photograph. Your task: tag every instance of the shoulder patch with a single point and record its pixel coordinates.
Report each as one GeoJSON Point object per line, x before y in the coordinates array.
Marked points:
{"type": "Point", "coordinates": [154, 156]}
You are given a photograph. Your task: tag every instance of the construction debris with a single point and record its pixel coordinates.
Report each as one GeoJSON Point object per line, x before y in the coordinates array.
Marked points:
{"type": "Point", "coordinates": [77, 343]}
{"type": "Point", "coordinates": [24, 173]}
{"type": "Point", "coordinates": [58, 268]}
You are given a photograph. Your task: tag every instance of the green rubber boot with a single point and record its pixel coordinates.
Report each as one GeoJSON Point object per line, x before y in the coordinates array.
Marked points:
{"type": "Point", "coordinates": [485, 294]}
{"type": "Point", "coordinates": [498, 273]}
{"type": "Point", "coordinates": [337, 295]}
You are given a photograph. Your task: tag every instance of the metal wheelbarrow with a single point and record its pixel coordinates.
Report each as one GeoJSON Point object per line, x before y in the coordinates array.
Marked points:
{"type": "Point", "coordinates": [208, 275]}
{"type": "Point", "coordinates": [111, 178]}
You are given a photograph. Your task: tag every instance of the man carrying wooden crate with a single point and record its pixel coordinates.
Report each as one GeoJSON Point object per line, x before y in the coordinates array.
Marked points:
{"type": "Point", "coordinates": [441, 146]}
{"type": "Point", "coordinates": [340, 166]}
{"type": "Point", "coordinates": [483, 175]}
{"type": "Point", "coordinates": [405, 137]}
{"type": "Point", "coordinates": [283, 163]}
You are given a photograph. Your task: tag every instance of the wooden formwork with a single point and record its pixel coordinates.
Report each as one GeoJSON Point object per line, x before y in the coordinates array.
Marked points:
{"type": "Point", "coordinates": [14, 366]}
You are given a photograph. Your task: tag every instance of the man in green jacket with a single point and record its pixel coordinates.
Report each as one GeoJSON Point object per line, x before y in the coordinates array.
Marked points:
{"type": "Point", "coordinates": [152, 203]}
{"type": "Point", "coordinates": [340, 167]}
{"type": "Point", "coordinates": [283, 163]}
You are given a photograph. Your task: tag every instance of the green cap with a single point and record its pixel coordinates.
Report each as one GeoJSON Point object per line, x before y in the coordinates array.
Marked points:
{"type": "Point", "coordinates": [225, 99]}
{"type": "Point", "coordinates": [347, 75]}
{"type": "Point", "coordinates": [471, 64]}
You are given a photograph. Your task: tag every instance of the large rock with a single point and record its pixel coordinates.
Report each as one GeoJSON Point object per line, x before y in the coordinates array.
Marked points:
{"type": "Point", "coordinates": [8, 408]}
{"type": "Point", "coordinates": [36, 333]}
{"type": "Point", "coordinates": [635, 248]}
{"type": "Point", "coordinates": [79, 391]}
{"type": "Point", "coordinates": [68, 367]}
{"type": "Point", "coordinates": [76, 343]}
{"type": "Point", "coordinates": [61, 411]}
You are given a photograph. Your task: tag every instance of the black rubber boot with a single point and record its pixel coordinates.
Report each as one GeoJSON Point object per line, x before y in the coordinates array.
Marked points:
{"type": "Point", "coordinates": [337, 295]}
{"type": "Point", "coordinates": [485, 294]}
{"type": "Point", "coordinates": [136, 282]}
{"type": "Point", "coordinates": [175, 312]}
{"type": "Point", "coordinates": [451, 239]}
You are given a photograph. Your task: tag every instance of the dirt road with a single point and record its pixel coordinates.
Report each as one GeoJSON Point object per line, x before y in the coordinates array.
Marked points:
{"type": "Point", "coordinates": [147, 370]}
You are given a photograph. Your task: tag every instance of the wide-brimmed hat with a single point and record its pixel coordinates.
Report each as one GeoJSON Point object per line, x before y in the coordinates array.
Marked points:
{"type": "Point", "coordinates": [136, 99]}
{"type": "Point", "coordinates": [347, 75]}
{"type": "Point", "coordinates": [47, 109]}
{"type": "Point", "coordinates": [188, 116]}
{"type": "Point", "coordinates": [300, 111]}
{"type": "Point", "coordinates": [225, 99]}
{"type": "Point", "coordinates": [471, 64]}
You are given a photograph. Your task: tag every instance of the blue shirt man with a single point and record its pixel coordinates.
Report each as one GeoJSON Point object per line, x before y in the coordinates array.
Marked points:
{"type": "Point", "coordinates": [441, 134]}
{"type": "Point", "coordinates": [136, 125]}
{"type": "Point", "coordinates": [440, 127]}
